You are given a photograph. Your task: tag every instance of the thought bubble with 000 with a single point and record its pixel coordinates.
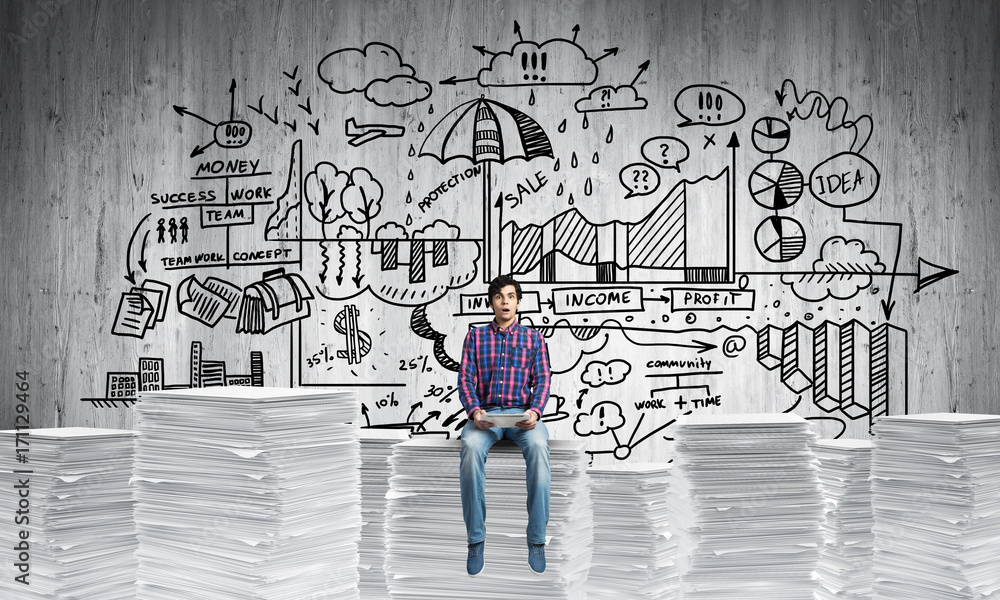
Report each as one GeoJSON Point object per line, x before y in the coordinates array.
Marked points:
{"type": "Point", "coordinates": [639, 179]}
{"type": "Point", "coordinates": [233, 134]}
{"type": "Point", "coordinates": [666, 152]}
{"type": "Point", "coordinates": [708, 105]}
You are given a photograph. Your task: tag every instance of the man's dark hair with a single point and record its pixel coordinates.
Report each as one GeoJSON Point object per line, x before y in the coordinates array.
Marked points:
{"type": "Point", "coordinates": [500, 283]}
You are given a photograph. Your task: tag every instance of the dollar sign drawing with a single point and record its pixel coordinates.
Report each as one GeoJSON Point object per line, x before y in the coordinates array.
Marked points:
{"type": "Point", "coordinates": [358, 342]}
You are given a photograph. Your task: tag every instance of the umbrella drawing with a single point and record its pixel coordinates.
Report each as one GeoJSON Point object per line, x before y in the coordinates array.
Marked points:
{"type": "Point", "coordinates": [485, 131]}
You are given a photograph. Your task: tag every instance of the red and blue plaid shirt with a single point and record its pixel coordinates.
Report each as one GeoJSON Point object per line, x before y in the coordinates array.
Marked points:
{"type": "Point", "coordinates": [504, 368]}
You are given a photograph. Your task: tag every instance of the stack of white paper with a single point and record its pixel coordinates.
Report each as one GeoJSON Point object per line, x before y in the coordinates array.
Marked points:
{"type": "Point", "coordinates": [426, 542]}
{"type": "Point", "coordinates": [247, 492]}
{"type": "Point", "coordinates": [67, 525]}
{"type": "Point", "coordinates": [936, 500]}
{"type": "Point", "coordinates": [634, 550]}
{"type": "Point", "coordinates": [746, 507]}
{"type": "Point", "coordinates": [845, 562]}
{"type": "Point", "coordinates": [376, 448]}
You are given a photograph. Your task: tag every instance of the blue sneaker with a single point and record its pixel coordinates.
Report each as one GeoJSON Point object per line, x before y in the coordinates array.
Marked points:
{"type": "Point", "coordinates": [475, 563]}
{"type": "Point", "coordinates": [536, 558]}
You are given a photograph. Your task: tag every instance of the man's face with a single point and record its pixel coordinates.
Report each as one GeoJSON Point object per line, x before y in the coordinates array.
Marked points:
{"type": "Point", "coordinates": [505, 304]}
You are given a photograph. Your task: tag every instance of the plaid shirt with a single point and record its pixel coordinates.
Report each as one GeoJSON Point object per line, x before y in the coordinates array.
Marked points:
{"type": "Point", "coordinates": [504, 368]}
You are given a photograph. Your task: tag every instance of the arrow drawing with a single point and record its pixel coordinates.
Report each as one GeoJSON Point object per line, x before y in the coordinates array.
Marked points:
{"type": "Point", "coordinates": [835, 112]}
{"type": "Point", "coordinates": [607, 52]}
{"type": "Point", "coordinates": [642, 69]}
{"type": "Point", "coordinates": [453, 80]}
{"type": "Point", "coordinates": [201, 149]}
{"type": "Point", "coordinates": [183, 110]}
{"type": "Point", "coordinates": [128, 252]}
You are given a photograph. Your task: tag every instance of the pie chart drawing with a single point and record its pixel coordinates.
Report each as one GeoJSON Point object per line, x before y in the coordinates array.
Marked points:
{"type": "Point", "coordinates": [776, 184]}
{"type": "Point", "coordinates": [770, 135]}
{"type": "Point", "coordinates": [780, 239]}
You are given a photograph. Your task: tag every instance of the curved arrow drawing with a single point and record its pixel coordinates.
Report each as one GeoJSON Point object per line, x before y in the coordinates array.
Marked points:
{"type": "Point", "coordinates": [128, 252]}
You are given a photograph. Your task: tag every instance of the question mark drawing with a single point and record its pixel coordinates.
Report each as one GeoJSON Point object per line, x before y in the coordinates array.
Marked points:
{"type": "Point", "coordinates": [665, 152]}
{"type": "Point", "coordinates": [639, 179]}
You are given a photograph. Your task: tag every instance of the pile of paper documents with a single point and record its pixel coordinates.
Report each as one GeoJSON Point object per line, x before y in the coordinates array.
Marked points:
{"type": "Point", "coordinates": [248, 492]}
{"type": "Point", "coordinates": [746, 507]}
{"type": "Point", "coordinates": [426, 541]}
{"type": "Point", "coordinates": [845, 562]}
{"type": "Point", "coordinates": [634, 551]}
{"type": "Point", "coordinates": [936, 501]}
{"type": "Point", "coordinates": [376, 448]}
{"type": "Point", "coordinates": [67, 525]}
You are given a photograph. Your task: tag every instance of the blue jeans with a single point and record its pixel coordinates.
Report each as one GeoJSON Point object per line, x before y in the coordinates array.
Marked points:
{"type": "Point", "coordinates": [534, 446]}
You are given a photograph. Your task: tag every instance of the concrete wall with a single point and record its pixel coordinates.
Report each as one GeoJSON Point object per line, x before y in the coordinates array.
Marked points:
{"type": "Point", "coordinates": [722, 206]}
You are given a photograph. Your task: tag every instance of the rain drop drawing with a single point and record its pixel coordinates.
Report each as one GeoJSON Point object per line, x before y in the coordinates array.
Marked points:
{"type": "Point", "coordinates": [409, 198]}
{"type": "Point", "coordinates": [430, 111]}
{"type": "Point", "coordinates": [409, 220]}
{"type": "Point", "coordinates": [555, 167]}
{"type": "Point", "coordinates": [412, 151]}
{"type": "Point", "coordinates": [562, 126]}
{"type": "Point", "coordinates": [410, 175]}
{"type": "Point", "coordinates": [420, 127]}
{"type": "Point", "coordinates": [596, 158]}
{"type": "Point", "coordinates": [559, 190]}
{"type": "Point", "coordinates": [571, 199]}
{"type": "Point", "coordinates": [531, 98]}
{"type": "Point", "coordinates": [588, 187]}
{"type": "Point", "coordinates": [573, 162]}
{"type": "Point", "coordinates": [611, 134]}
{"type": "Point", "coordinates": [586, 121]}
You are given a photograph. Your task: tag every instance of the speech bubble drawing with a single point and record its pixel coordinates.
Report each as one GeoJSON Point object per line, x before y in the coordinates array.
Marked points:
{"type": "Point", "coordinates": [710, 105]}
{"type": "Point", "coordinates": [639, 179]}
{"type": "Point", "coordinates": [233, 134]}
{"type": "Point", "coordinates": [666, 152]}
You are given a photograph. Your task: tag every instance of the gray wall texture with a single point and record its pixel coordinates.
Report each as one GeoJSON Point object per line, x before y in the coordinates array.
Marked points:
{"type": "Point", "coordinates": [725, 206]}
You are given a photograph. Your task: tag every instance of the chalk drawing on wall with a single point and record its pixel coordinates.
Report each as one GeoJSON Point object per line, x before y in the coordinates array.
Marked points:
{"type": "Point", "coordinates": [278, 299]}
{"type": "Point", "coordinates": [815, 105]}
{"type": "Point", "coordinates": [682, 238]}
{"type": "Point", "coordinates": [227, 134]}
{"type": "Point", "coordinates": [208, 302]}
{"type": "Point", "coordinates": [141, 308]}
{"type": "Point", "coordinates": [706, 104]}
{"type": "Point", "coordinates": [358, 135]}
{"type": "Point", "coordinates": [402, 266]}
{"type": "Point", "coordinates": [484, 132]}
{"type": "Point", "coordinates": [779, 239]}
{"type": "Point", "coordinates": [377, 71]}
{"type": "Point", "coordinates": [841, 181]}
{"type": "Point", "coordinates": [556, 61]}
{"type": "Point", "coordinates": [666, 152]}
{"type": "Point", "coordinates": [123, 386]}
{"type": "Point", "coordinates": [289, 120]}
{"type": "Point", "coordinates": [776, 184]}
{"type": "Point", "coordinates": [842, 270]}
{"type": "Point", "coordinates": [770, 135]}
{"type": "Point", "coordinates": [848, 368]}
{"type": "Point", "coordinates": [635, 289]}
{"type": "Point", "coordinates": [614, 98]}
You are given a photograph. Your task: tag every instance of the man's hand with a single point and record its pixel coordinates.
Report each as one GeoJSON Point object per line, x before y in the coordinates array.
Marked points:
{"type": "Point", "coordinates": [530, 422]}
{"type": "Point", "coordinates": [479, 418]}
